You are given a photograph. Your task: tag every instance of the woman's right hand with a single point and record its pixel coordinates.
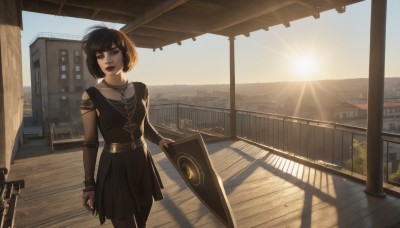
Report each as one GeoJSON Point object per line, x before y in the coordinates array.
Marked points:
{"type": "Point", "coordinates": [88, 200]}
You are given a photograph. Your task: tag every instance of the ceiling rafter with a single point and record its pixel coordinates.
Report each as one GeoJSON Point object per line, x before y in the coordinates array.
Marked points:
{"type": "Point", "coordinates": [314, 7]}
{"type": "Point", "coordinates": [153, 13]}
{"type": "Point", "coordinates": [60, 7]}
{"type": "Point", "coordinates": [250, 12]}
{"type": "Point", "coordinates": [159, 33]}
{"type": "Point", "coordinates": [247, 13]}
{"type": "Point", "coordinates": [339, 5]}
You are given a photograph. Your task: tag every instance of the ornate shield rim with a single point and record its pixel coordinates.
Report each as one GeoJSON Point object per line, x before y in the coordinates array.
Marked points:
{"type": "Point", "coordinates": [221, 190]}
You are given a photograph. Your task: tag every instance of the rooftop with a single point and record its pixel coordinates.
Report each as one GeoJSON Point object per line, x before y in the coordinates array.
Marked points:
{"type": "Point", "coordinates": [263, 188]}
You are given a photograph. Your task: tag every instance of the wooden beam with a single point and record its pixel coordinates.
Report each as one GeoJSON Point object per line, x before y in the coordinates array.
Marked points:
{"type": "Point", "coordinates": [61, 7]}
{"type": "Point", "coordinates": [155, 42]}
{"type": "Point", "coordinates": [248, 12]}
{"type": "Point", "coordinates": [166, 6]}
{"type": "Point", "coordinates": [144, 31]}
{"type": "Point", "coordinates": [124, 7]}
{"type": "Point", "coordinates": [174, 27]}
{"type": "Point", "coordinates": [224, 20]}
{"type": "Point", "coordinates": [339, 5]}
{"type": "Point", "coordinates": [313, 7]}
{"type": "Point", "coordinates": [76, 11]}
{"type": "Point", "coordinates": [286, 23]}
{"type": "Point", "coordinates": [95, 12]}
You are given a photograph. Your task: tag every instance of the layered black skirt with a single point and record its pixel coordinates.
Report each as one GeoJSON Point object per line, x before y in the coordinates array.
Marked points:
{"type": "Point", "coordinates": [125, 182]}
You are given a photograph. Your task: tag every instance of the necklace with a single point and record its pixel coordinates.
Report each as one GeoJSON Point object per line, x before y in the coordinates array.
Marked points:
{"type": "Point", "coordinates": [126, 107]}
{"type": "Point", "coordinates": [120, 88]}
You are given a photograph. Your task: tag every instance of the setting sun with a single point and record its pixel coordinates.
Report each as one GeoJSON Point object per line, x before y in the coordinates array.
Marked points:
{"type": "Point", "coordinates": [304, 67]}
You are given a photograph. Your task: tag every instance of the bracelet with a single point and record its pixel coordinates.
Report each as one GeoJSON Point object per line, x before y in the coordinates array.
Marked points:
{"type": "Point", "coordinates": [89, 182]}
{"type": "Point", "coordinates": [88, 189]}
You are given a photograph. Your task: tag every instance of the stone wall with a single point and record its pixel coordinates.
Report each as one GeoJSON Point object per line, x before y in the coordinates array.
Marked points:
{"type": "Point", "coordinates": [11, 89]}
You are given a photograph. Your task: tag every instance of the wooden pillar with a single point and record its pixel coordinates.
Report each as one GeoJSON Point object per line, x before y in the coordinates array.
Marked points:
{"type": "Point", "coordinates": [232, 86]}
{"type": "Point", "coordinates": [374, 185]}
{"type": "Point", "coordinates": [11, 88]}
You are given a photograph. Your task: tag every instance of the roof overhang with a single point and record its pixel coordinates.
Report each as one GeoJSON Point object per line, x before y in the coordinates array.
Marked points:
{"type": "Point", "coordinates": [157, 23]}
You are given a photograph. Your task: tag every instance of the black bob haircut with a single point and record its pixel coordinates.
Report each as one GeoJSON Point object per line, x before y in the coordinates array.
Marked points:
{"type": "Point", "coordinates": [100, 39]}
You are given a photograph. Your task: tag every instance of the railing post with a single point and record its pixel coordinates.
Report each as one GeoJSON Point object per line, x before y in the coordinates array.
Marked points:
{"type": "Point", "coordinates": [387, 161]}
{"type": "Point", "coordinates": [177, 117]}
{"type": "Point", "coordinates": [374, 185]}
{"type": "Point", "coordinates": [232, 87]}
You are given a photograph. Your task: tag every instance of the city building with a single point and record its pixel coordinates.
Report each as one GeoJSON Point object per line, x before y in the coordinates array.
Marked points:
{"type": "Point", "coordinates": [58, 78]}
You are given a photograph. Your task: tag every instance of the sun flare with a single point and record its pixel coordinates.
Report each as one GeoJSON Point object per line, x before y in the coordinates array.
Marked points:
{"type": "Point", "coordinates": [304, 67]}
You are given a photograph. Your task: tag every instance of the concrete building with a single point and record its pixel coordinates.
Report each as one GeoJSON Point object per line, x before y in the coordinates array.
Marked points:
{"type": "Point", "coordinates": [58, 76]}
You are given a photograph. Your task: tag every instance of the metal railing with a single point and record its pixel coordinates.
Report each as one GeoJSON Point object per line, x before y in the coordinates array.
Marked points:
{"type": "Point", "coordinates": [9, 192]}
{"type": "Point", "coordinates": [194, 118]}
{"type": "Point", "coordinates": [336, 146]}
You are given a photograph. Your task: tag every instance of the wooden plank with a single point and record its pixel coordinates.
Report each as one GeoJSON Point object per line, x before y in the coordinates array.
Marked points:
{"type": "Point", "coordinates": [264, 190]}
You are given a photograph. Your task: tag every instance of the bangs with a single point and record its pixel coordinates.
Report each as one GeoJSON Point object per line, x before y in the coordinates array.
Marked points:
{"type": "Point", "coordinates": [104, 41]}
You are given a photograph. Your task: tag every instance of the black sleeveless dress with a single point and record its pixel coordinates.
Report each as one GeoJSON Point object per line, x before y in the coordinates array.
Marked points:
{"type": "Point", "coordinates": [127, 180]}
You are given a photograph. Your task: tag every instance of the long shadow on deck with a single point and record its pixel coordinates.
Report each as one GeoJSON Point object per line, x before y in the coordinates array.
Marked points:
{"type": "Point", "coordinates": [320, 190]}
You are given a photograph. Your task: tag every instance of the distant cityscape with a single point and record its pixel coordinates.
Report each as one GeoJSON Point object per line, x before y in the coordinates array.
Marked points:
{"type": "Point", "coordinates": [59, 76]}
{"type": "Point", "coordinates": [340, 101]}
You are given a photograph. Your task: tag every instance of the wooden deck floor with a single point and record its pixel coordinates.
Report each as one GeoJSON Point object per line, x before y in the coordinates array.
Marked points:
{"type": "Point", "coordinates": [264, 190]}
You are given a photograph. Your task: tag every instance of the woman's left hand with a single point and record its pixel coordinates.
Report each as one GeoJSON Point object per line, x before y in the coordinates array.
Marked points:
{"type": "Point", "coordinates": [164, 142]}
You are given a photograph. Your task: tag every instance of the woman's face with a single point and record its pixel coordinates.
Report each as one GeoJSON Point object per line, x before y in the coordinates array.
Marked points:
{"type": "Point", "coordinates": [111, 62]}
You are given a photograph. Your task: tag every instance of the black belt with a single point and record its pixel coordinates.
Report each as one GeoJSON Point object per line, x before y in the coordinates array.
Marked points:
{"type": "Point", "coordinates": [123, 147]}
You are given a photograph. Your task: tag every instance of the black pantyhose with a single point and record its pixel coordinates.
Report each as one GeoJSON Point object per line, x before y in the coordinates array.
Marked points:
{"type": "Point", "coordinates": [139, 220]}
{"type": "Point", "coordinates": [126, 223]}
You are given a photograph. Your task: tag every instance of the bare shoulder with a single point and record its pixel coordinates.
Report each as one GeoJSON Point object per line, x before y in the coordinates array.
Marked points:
{"type": "Point", "coordinates": [85, 96]}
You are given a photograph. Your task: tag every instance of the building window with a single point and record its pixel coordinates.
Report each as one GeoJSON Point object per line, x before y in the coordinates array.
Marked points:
{"type": "Point", "coordinates": [78, 77]}
{"type": "Point", "coordinates": [63, 60]}
{"type": "Point", "coordinates": [77, 57]}
{"type": "Point", "coordinates": [63, 98]}
{"type": "Point", "coordinates": [63, 76]}
{"type": "Point", "coordinates": [64, 89]}
{"type": "Point", "coordinates": [77, 68]}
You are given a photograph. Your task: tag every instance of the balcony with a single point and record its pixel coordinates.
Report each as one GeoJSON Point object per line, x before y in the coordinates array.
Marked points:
{"type": "Point", "coordinates": [337, 147]}
{"type": "Point", "coordinates": [282, 171]}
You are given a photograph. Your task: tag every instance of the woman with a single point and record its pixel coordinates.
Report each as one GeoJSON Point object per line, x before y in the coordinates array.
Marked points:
{"type": "Point", "coordinates": [127, 179]}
